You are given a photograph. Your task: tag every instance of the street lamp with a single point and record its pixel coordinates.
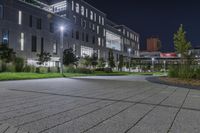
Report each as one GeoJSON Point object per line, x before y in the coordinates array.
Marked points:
{"type": "Point", "coordinates": [129, 52]}
{"type": "Point", "coordinates": [61, 48]}
{"type": "Point", "coordinates": [153, 59]}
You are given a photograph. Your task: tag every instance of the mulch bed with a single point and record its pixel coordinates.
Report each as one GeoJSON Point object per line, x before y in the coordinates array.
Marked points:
{"type": "Point", "coordinates": [185, 83]}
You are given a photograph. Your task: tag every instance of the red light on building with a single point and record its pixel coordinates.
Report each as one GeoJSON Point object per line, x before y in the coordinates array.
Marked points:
{"type": "Point", "coordinates": [168, 55]}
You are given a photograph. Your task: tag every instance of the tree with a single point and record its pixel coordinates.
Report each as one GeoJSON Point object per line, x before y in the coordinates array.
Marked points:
{"type": "Point", "coordinates": [94, 60]}
{"type": "Point", "coordinates": [7, 55]}
{"type": "Point", "coordinates": [111, 61]}
{"type": "Point", "coordinates": [182, 46]}
{"type": "Point", "coordinates": [43, 57]}
{"type": "Point", "coordinates": [86, 61]}
{"type": "Point", "coordinates": [101, 63]}
{"type": "Point", "coordinates": [121, 62]}
{"type": "Point", "coordinates": [69, 58]}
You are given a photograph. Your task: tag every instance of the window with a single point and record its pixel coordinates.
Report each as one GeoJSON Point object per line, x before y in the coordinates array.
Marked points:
{"type": "Point", "coordinates": [87, 37]}
{"type": "Point", "coordinates": [30, 20]}
{"type": "Point", "coordinates": [5, 37]}
{"type": "Point", "coordinates": [72, 5]}
{"type": "Point", "coordinates": [39, 24]}
{"type": "Point", "coordinates": [22, 42]}
{"type": "Point", "coordinates": [91, 15]}
{"type": "Point", "coordinates": [99, 19]}
{"type": "Point", "coordinates": [102, 21]}
{"type": "Point", "coordinates": [95, 17]}
{"type": "Point", "coordinates": [99, 41]}
{"type": "Point", "coordinates": [83, 23]}
{"type": "Point", "coordinates": [20, 17]}
{"type": "Point", "coordinates": [93, 39]}
{"type": "Point", "coordinates": [86, 13]}
{"type": "Point", "coordinates": [42, 45]}
{"type": "Point", "coordinates": [86, 51]}
{"type": "Point", "coordinates": [77, 8]}
{"type": "Point", "coordinates": [77, 35]}
{"type": "Point", "coordinates": [83, 36]}
{"type": "Point", "coordinates": [74, 17]}
{"type": "Point", "coordinates": [34, 44]}
{"type": "Point", "coordinates": [55, 48]}
{"type": "Point", "coordinates": [82, 10]}
{"type": "Point", "coordinates": [97, 29]}
{"type": "Point", "coordinates": [93, 27]}
{"type": "Point", "coordinates": [51, 27]}
{"type": "Point", "coordinates": [1, 12]}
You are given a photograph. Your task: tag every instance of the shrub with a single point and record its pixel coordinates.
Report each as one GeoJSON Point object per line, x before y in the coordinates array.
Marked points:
{"type": "Point", "coordinates": [43, 70]}
{"type": "Point", "coordinates": [173, 71]}
{"type": "Point", "coordinates": [54, 70]}
{"type": "Point", "coordinates": [197, 73]}
{"type": "Point", "coordinates": [19, 64]}
{"type": "Point", "coordinates": [77, 70]}
{"type": "Point", "coordinates": [10, 67]}
{"type": "Point", "coordinates": [108, 70]}
{"type": "Point", "coordinates": [29, 68]}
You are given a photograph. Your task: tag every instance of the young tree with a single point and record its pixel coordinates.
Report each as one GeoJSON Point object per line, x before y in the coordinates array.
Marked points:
{"type": "Point", "coordinates": [182, 46]}
{"type": "Point", "coordinates": [111, 61]}
{"type": "Point", "coordinates": [69, 58]}
{"type": "Point", "coordinates": [121, 62]}
{"type": "Point", "coordinates": [101, 63]}
{"type": "Point", "coordinates": [86, 61]}
{"type": "Point", "coordinates": [7, 55]}
{"type": "Point", "coordinates": [43, 57]}
{"type": "Point", "coordinates": [94, 60]}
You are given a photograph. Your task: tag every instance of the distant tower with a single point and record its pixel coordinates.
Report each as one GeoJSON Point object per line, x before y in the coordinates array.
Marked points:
{"type": "Point", "coordinates": [153, 44]}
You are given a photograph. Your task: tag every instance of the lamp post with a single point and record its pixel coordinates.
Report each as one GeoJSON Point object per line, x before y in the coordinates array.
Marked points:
{"type": "Point", "coordinates": [61, 48]}
{"type": "Point", "coordinates": [129, 52]}
{"type": "Point", "coordinates": [153, 59]}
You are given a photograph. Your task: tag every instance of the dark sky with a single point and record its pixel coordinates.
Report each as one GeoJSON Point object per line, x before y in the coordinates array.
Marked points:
{"type": "Point", "coordinates": [155, 18]}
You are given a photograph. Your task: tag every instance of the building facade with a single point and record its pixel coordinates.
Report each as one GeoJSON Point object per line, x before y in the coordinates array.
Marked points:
{"type": "Point", "coordinates": [33, 26]}
{"type": "Point", "coordinates": [153, 44]}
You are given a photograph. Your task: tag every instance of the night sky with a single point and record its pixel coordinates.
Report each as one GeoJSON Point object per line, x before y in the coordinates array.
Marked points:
{"type": "Point", "coordinates": [155, 18]}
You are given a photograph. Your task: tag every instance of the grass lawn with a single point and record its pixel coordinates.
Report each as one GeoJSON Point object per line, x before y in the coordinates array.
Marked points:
{"type": "Point", "coordinates": [22, 76]}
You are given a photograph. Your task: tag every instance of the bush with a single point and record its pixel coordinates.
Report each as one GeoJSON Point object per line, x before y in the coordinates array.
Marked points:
{"type": "Point", "coordinates": [197, 73]}
{"type": "Point", "coordinates": [29, 68]}
{"type": "Point", "coordinates": [43, 70]}
{"type": "Point", "coordinates": [182, 71]}
{"type": "Point", "coordinates": [108, 70]}
{"type": "Point", "coordinates": [77, 70]}
{"type": "Point", "coordinates": [19, 64]}
{"type": "Point", "coordinates": [173, 71]}
{"type": "Point", "coordinates": [54, 70]}
{"type": "Point", "coordinates": [10, 67]}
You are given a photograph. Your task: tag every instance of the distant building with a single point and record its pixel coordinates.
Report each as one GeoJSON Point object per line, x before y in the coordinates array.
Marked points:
{"type": "Point", "coordinates": [195, 51]}
{"type": "Point", "coordinates": [153, 44]}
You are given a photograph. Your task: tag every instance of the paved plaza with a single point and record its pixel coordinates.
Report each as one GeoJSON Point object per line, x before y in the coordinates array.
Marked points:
{"type": "Point", "coordinates": [126, 104]}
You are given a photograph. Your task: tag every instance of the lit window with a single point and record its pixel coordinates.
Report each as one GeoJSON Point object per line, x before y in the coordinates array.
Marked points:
{"type": "Point", "coordinates": [77, 8]}
{"type": "Point", "coordinates": [95, 17]}
{"type": "Point", "coordinates": [97, 29]}
{"type": "Point", "coordinates": [20, 17]}
{"type": "Point", "coordinates": [91, 15]}
{"type": "Point", "coordinates": [72, 5]}
{"type": "Point", "coordinates": [82, 11]}
{"type": "Point", "coordinates": [55, 48]}
{"type": "Point", "coordinates": [102, 21]}
{"type": "Point", "coordinates": [86, 13]}
{"type": "Point", "coordinates": [22, 42]}
{"type": "Point", "coordinates": [99, 19]}
{"type": "Point", "coordinates": [86, 51]}
{"type": "Point", "coordinates": [99, 41]}
{"type": "Point", "coordinates": [5, 37]}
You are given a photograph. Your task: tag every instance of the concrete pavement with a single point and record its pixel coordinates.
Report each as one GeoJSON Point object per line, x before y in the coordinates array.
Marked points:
{"type": "Point", "coordinates": [117, 104]}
